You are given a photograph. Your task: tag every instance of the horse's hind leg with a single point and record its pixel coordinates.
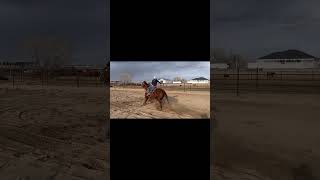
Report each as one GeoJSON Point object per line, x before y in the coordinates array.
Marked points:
{"type": "Point", "coordinates": [145, 100]}
{"type": "Point", "coordinates": [160, 102]}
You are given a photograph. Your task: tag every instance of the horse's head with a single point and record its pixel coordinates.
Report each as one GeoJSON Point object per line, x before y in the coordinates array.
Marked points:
{"type": "Point", "coordinates": [145, 85]}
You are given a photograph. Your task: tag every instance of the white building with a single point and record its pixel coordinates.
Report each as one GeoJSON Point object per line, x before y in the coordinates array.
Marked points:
{"type": "Point", "coordinates": [176, 82]}
{"type": "Point", "coordinates": [200, 80]}
{"type": "Point", "coordinates": [165, 81]}
{"type": "Point", "coordinates": [290, 59]}
{"type": "Point", "coordinates": [219, 66]}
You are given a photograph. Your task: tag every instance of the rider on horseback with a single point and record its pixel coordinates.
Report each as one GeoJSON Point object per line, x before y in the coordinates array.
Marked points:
{"type": "Point", "coordinates": [152, 86]}
{"type": "Point", "coordinates": [155, 81]}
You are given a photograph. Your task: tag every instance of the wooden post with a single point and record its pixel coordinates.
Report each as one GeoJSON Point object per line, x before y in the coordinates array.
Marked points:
{"type": "Point", "coordinates": [184, 87]}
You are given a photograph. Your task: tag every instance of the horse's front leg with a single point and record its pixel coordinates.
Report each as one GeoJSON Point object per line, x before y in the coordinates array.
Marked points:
{"type": "Point", "coordinates": [145, 100]}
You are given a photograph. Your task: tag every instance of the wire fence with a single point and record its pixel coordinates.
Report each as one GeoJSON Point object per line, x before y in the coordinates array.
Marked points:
{"type": "Point", "coordinates": [43, 77]}
{"type": "Point", "coordinates": [248, 81]}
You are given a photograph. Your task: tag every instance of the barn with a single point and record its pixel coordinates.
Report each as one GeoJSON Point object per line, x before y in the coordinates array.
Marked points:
{"type": "Point", "coordinates": [289, 59]}
{"type": "Point", "coordinates": [200, 80]}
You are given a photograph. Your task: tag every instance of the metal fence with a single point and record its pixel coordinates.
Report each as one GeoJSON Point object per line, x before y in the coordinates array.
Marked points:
{"type": "Point", "coordinates": [42, 77]}
{"type": "Point", "coordinates": [185, 87]}
{"type": "Point", "coordinates": [250, 81]}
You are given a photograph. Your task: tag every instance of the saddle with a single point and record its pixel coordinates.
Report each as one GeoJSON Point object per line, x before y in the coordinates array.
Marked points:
{"type": "Point", "coordinates": [151, 90]}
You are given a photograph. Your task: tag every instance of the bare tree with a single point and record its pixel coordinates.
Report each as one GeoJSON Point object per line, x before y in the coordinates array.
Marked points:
{"type": "Point", "coordinates": [177, 79]}
{"type": "Point", "coordinates": [218, 54]}
{"type": "Point", "coordinates": [231, 58]}
{"type": "Point", "coordinates": [48, 52]}
{"type": "Point", "coordinates": [183, 80]}
{"type": "Point", "coordinates": [125, 78]}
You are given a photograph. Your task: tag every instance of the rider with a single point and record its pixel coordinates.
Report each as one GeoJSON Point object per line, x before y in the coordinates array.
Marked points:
{"type": "Point", "coordinates": [152, 86]}
{"type": "Point", "coordinates": [155, 81]}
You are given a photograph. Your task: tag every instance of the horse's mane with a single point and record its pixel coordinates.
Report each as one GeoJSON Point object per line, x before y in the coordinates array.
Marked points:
{"type": "Point", "coordinates": [145, 83]}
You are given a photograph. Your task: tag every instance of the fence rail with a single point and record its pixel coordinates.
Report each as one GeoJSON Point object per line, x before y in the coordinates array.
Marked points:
{"type": "Point", "coordinates": [18, 77]}
{"type": "Point", "coordinates": [175, 87]}
{"type": "Point", "coordinates": [243, 82]}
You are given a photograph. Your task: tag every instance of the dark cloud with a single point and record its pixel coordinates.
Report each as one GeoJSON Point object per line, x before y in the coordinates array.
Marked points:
{"type": "Point", "coordinates": [147, 70]}
{"type": "Point", "coordinates": [84, 23]}
{"type": "Point", "coordinates": [255, 27]}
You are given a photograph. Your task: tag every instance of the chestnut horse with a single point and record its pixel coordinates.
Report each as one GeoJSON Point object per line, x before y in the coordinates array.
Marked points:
{"type": "Point", "coordinates": [157, 94]}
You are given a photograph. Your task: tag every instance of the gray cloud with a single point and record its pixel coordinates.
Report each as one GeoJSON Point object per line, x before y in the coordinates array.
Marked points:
{"type": "Point", "coordinates": [254, 27]}
{"type": "Point", "coordinates": [84, 23]}
{"type": "Point", "coordinates": [146, 70]}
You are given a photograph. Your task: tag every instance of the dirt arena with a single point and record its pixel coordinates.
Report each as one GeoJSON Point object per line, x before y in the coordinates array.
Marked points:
{"type": "Point", "coordinates": [265, 136]}
{"type": "Point", "coordinates": [127, 103]}
{"type": "Point", "coordinates": [53, 133]}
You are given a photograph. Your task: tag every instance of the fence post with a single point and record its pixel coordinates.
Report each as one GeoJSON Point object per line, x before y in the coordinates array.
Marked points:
{"type": "Point", "coordinates": [238, 71]}
{"type": "Point", "coordinates": [42, 78]}
{"type": "Point", "coordinates": [78, 79]}
{"type": "Point", "coordinates": [47, 77]}
{"type": "Point", "coordinates": [10, 71]}
{"type": "Point", "coordinates": [257, 79]}
{"type": "Point", "coordinates": [21, 70]}
{"type": "Point", "coordinates": [184, 87]}
{"type": "Point", "coordinates": [12, 80]}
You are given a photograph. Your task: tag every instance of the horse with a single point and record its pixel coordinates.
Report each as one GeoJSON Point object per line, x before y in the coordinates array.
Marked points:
{"type": "Point", "coordinates": [157, 94]}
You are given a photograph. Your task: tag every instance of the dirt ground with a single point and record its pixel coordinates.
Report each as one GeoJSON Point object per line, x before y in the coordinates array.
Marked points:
{"type": "Point", "coordinates": [127, 103]}
{"type": "Point", "coordinates": [266, 136]}
{"type": "Point", "coordinates": [53, 133]}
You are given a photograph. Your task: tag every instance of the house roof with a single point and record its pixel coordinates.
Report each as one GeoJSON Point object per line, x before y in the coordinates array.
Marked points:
{"type": "Point", "coordinates": [200, 78]}
{"type": "Point", "coordinates": [288, 54]}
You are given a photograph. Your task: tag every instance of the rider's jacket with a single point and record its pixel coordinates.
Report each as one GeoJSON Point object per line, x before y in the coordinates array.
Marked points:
{"type": "Point", "coordinates": [154, 82]}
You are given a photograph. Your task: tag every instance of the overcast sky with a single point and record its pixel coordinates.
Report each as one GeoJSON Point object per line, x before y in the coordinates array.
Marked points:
{"type": "Point", "coordinates": [251, 27]}
{"type": "Point", "coordinates": [147, 70]}
{"type": "Point", "coordinates": [256, 28]}
{"type": "Point", "coordinates": [83, 22]}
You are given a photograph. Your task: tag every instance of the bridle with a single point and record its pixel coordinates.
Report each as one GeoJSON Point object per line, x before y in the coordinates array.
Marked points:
{"type": "Point", "coordinates": [144, 85]}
